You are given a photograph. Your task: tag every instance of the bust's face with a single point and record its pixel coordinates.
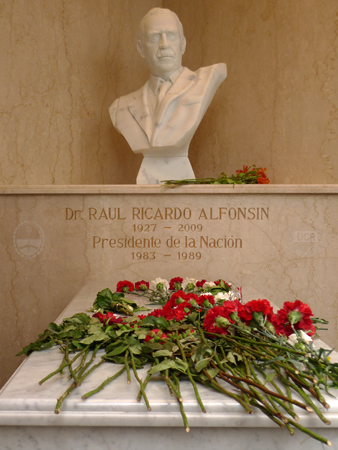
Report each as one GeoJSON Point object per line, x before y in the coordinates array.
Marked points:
{"type": "Point", "coordinates": [162, 46]}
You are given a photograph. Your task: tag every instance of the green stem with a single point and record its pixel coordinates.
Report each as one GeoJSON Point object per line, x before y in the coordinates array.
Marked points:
{"type": "Point", "coordinates": [72, 373]}
{"type": "Point", "coordinates": [62, 366]}
{"type": "Point", "coordinates": [142, 387]}
{"type": "Point", "coordinates": [175, 390]}
{"type": "Point", "coordinates": [246, 406]}
{"type": "Point", "coordinates": [139, 396]}
{"type": "Point", "coordinates": [267, 412]}
{"type": "Point", "coordinates": [85, 366]}
{"type": "Point", "coordinates": [306, 398]}
{"type": "Point", "coordinates": [83, 360]}
{"type": "Point", "coordinates": [63, 396]}
{"type": "Point", "coordinates": [180, 403]}
{"type": "Point", "coordinates": [311, 433]}
{"type": "Point", "coordinates": [197, 395]}
{"type": "Point", "coordinates": [104, 384]}
{"type": "Point", "coordinates": [126, 364]}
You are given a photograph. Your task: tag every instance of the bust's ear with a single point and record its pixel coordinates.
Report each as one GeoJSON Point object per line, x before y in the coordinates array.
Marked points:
{"type": "Point", "coordinates": [140, 48]}
{"type": "Point", "coordinates": [183, 45]}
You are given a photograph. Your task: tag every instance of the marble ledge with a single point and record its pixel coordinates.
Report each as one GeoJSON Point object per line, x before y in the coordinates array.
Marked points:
{"type": "Point", "coordinates": [309, 189]}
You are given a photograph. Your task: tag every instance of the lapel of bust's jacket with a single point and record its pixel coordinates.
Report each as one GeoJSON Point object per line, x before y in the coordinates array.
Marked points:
{"type": "Point", "coordinates": [181, 85]}
{"type": "Point", "coordinates": [139, 109]}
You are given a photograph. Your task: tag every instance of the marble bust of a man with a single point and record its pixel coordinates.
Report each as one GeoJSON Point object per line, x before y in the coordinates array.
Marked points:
{"type": "Point", "coordinates": [160, 119]}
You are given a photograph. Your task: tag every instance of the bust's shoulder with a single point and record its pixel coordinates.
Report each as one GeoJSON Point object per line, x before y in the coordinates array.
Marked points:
{"type": "Point", "coordinates": [124, 101]}
{"type": "Point", "coordinates": [216, 70]}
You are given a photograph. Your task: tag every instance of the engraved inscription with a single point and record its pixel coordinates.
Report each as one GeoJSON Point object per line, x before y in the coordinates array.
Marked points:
{"type": "Point", "coordinates": [166, 232]}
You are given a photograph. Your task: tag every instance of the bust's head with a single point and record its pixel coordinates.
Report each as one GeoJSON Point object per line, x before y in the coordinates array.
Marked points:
{"type": "Point", "coordinates": [161, 42]}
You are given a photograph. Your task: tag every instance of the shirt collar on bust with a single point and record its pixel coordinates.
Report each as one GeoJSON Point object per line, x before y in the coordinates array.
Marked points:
{"type": "Point", "coordinates": [154, 82]}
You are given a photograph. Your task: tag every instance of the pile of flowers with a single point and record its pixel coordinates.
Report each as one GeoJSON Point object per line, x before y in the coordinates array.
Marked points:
{"type": "Point", "coordinates": [203, 333]}
{"type": "Point", "coordinates": [246, 175]}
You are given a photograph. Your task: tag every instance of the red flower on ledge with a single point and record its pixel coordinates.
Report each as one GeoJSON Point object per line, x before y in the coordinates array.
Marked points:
{"type": "Point", "coordinates": [217, 320]}
{"type": "Point", "coordinates": [175, 283]}
{"type": "Point", "coordinates": [262, 178]}
{"type": "Point", "coordinates": [141, 285]}
{"type": "Point", "coordinates": [109, 318]}
{"type": "Point", "coordinates": [124, 286]}
{"type": "Point", "coordinates": [296, 314]}
{"type": "Point", "coordinates": [155, 335]}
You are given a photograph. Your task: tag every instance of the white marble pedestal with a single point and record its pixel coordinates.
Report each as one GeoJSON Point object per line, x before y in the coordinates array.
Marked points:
{"type": "Point", "coordinates": [113, 419]}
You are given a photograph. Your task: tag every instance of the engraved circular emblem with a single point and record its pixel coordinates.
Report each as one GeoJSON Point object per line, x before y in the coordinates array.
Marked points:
{"type": "Point", "coordinates": [306, 243]}
{"type": "Point", "coordinates": [29, 239]}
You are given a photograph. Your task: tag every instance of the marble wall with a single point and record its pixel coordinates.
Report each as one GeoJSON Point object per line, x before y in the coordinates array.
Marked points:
{"type": "Point", "coordinates": [64, 62]}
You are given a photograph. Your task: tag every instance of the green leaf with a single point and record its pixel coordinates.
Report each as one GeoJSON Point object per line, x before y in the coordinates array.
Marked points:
{"type": "Point", "coordinates": [202, 364]}
{"type": "Point", "coordinates": [213, 372]}
{"type": "Point", "coordinates": [169, 364]}
{"type": "Point", "coordinates": [162, 353]}
{"type": "Point", "coordinates": [53, 326]}
{"type": "Point", "coordinates": [135, 350]}
{"type": "Point", "coordinates": [200, 352]}
{"type": "Point", "coordinates": [36, 346]}
{"type": "Point", "coordinates": [231, 358]}
{"type": "Point", "coordinates": [150, 347]}
{"type": "Point", "coordinates": [71, 334]}
{"type": "Point", "coordinates": [78, 318]}
{"type": "Point", "coordinates": [181, 365]}
{"type": "Point", "coordinates": [122, 331]}
{"type": "Point", "coordinates": [164, 365]}
{"type": "Point", "coordinates": [141, 334]}
{"type": "Point", "coordinates": [68, 328]}
{"type": "Point", "coordinates": [95, 328]}
{"type": "Point", "coordinates": [149, 320]}
{"type": "Point", "coordinates": [162, 323]}
{"type": "Point", "coordinates": [105, 298]}
{"type": "Point", "coordinates": [114, 359]}
{"type": "Point", "coordinates": [156, 322]}
{"type": "Point", "coordinates": [96, 334]}
{"type": "Point", "coordinates": [270, 376]}
{"type": "Point", "coordinates": [118, 350]}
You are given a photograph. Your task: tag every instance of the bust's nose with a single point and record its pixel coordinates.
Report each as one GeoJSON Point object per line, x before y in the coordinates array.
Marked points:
{"type": "Point", "coordinates": [164, 41]}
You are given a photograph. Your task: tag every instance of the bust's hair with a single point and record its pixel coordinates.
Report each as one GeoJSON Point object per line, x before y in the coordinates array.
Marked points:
{"type": "Point", "coordinates": [154, 11]}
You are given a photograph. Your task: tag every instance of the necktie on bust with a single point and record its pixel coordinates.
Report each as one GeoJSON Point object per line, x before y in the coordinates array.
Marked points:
{"type": "Point", "coordinates": [162, 90]}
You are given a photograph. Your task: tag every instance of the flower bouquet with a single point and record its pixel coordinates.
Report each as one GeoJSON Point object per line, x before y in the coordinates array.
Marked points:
{"type": "Point", "coordinates": [247, 175]}
{"type": "Point", "coordinates": [203, 333]}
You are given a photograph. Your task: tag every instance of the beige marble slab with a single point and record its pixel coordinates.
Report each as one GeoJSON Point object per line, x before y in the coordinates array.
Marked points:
{"type": "Point", "coordinates": [280, 240]}
{"type": "Point", "coordinates": [162, 189]}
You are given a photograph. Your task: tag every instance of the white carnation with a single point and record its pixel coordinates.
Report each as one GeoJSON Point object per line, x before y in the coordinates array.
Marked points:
{"type": "Point", "coordinates": [187, 281]}
{"type": "Point", "coordinates": [222, 296]}
{"type": "Point", "coordinates": [159, 281]}
{"type": "Point", "coordinates": [209, 284]}
{"type": "Point", "coordinates": [293, 338]}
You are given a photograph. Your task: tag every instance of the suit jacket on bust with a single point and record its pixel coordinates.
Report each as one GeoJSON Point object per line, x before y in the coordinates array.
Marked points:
{"type": "Point", "coordinates": [176, 118]}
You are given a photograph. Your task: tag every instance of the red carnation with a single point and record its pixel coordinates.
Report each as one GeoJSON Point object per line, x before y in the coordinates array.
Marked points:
{"type": "Point", "coordinates": [155, 335]}
{"type": "Point", "coordinates": [175, 283]}
{"type": "Point", "coordinates": [206, 300]}
{"type": "Point", "coordinates": [200, 284]}
{"type": "Point", "coordinates": [175, 299]}
{"type": "Point", "coordinates": [260, 305]}
{"type": "Point", "coordinates": [244, 170]}
{"type": "Point", "coordinates": [262, 313]}
{"type": "Point", "coordinates": [124, 286]}
{"type": "Point", "coordinates": [109, 318]}
{"type": "Point", "coordinates": [262, 178]}
{"type": "Point", "coordinates": [277, 323]}
{"type": "Point", "coordinates": [297, 314]}
{"type": "Point", "coordinates": [141, 285]}
{"type": "Point", "coordinates": [217, 319]}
